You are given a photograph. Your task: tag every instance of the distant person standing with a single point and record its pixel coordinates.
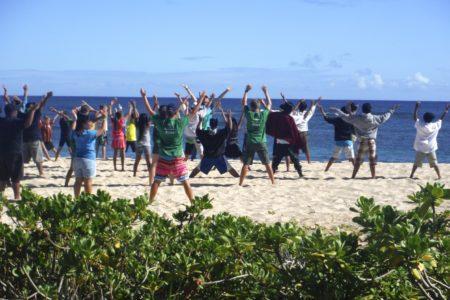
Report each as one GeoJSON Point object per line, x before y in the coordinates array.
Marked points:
{"type": "Point", "coordinates": [425, 143]}
{"type": "Point", "coordinates": [32, 135]}
{"type": "Point", "coordinates": [343, 136]}
{"type": "Point", "coordinates": [130, 132]}
{"type": "Point", "coordinates": [46, 126]}
{"type": "Point", "coordinates": [102, 140]}
{"type": "Point", "coordinates": [366, 125]}
{"type": "Point", "coordinates": [255, 141]}
{"type": "Point", "coordinates": [143, 144]}
{"type": "Point", "coordinates": [65, 128]}
{"type": "Point", "coordinates": [302, 115]}
{"type": "Point", "coordinates": [11, 132]}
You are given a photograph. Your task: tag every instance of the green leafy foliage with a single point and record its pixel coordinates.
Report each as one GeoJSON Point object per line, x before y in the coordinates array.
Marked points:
{"type": "Point", "coordinates": [96, 247]}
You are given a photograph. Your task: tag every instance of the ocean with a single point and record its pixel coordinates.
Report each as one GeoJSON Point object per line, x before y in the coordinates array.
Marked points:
{"type": "Point", "coordinates": [394, 143]}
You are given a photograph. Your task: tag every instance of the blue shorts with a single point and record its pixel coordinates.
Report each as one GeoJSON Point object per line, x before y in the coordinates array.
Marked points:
{"type": "Point", "coordinates": [220, 163]}
{"type": "Point", "coordinates": [84, 167]}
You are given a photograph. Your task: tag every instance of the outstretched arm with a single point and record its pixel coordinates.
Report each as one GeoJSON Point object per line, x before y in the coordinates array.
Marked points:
{"type": "Point", "coordinates": [283, 97]}
{"type": "Point", "coordinates": [191, 94]}
{"type": "Point", "coordinates": [416, 111]}
{"type": "Point", "coordinates": [244, 98]}
{"type": "Point", "coordinates": [312, 108]}
{"type": "Point", "coordinates": [88, 106]}
{"type": "Point", "coordinates": [268, 99]}
{"type": "Point", "coordinates": [298, 104]}
{"type": "Point", "coordinates": [221, 96]}
{"type": "Point", "coordinates": [5, 95]}
{"type": "Point", "coordinates": [322, 111]}
{"type": "Point", "coordinates": [199, 104]}
{"type": "Point", "coordinates": [102, 130]}
{"type": "Point", "coordinates": [229, 120]}
{"type": "Point", "coordinates": [25, 98]}
{"type": "Point", "coordinates": [30, 115]}
{"type": "Point", "coordinates": [147, 105]}
{"type": "Point", "coordinates": [241, 119]}
{"type": "Point", "coordinates": [447, 107]}
{"type": "Point", "coordinates": [44, 100]}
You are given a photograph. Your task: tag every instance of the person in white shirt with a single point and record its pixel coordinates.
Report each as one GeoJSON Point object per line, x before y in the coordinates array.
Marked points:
{"type": "Point", "coordinates": [425, 143]}
{"type": "Point", "coordinates": [301, 117]}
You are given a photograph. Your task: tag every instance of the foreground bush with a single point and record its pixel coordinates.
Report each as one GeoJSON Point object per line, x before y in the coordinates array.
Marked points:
{"type": "Point", "coordinates": [94, 247]}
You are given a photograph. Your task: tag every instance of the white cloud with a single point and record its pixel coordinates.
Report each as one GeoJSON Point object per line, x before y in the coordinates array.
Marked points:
{"type": "Point", "coordinates": [377, 80]}
{"type": "Point", "coordinates": [421, 78]}
{"type": "Point", "coordinates": [365, 80]}
{"type": "Point", "coordinates": [418, 79]}
{"type": "Point", "coordinates": [361, 82]}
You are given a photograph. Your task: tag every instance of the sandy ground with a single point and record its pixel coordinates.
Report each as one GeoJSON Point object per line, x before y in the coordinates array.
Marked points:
{"type": "Point", "coordinates": [319, 199]}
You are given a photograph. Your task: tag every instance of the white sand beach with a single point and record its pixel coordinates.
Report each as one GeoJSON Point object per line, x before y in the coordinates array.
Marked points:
{"type": "Point", "coordinates": [319, 199]}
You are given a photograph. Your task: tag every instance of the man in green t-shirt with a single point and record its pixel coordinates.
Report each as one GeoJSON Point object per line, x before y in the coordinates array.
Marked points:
{"type": "Point", "coordinates": [256, 133]}
{"type": "Point", "coordinates": [170, 127]}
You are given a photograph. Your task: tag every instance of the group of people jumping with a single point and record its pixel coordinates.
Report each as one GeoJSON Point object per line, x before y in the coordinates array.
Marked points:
{"type": "Point", "coordinates": [25, 134]}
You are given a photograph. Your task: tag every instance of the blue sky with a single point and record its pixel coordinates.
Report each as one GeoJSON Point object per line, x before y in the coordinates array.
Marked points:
{"type": "Point", "coordinates": [365, 49]}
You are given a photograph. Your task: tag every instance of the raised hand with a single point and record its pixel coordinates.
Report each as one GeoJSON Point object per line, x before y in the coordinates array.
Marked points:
{"type": "Point", "coordinates": [143, 92]}
{"type": "Point", "coordinates": [248, 88]}
{"type": "Point", "coordinates": [264, 89]}
{"type": "Point", "coordinates": [395, 107]}
{"type": "Point", "coordinates": [25, 87]}
{"type": "Point", "coordinates": [418, 103]}
{"type": "Point", "coordinates": [229, 88]}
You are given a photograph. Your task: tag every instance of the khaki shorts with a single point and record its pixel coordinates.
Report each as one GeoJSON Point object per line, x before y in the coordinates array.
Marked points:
{"type": "Point", "coordinates": [33, 150]}
{"type": "Point", "coordinates": [367, 147]}
{"type": "Point", "coordinates": [251, 149]}
{"type": "Point", "coordinates": [431, 157]}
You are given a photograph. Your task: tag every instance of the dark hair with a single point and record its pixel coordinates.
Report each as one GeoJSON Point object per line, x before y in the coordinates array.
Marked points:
{"type": "Point", "coordinates": [171, 110]}
{"type": "Point", "coordinates": [286, 107]}
{"type": "Point", "coordinates": [142, 125]}
{"type": "Point", "coordinates": [353, 107]}
{"type": "Point", "coordinates": [117, 117]}
{"type": "Point", "coordinates": [213, 123]}
{"type": "Point", "coordinates": [344, 109]}
{"type": "Point", "coordinates": [303, 106]}
{"type": "Point", "coordinates": [9, 109]}
{"type": "Point", "coordinates": [101, 106]}
{"type": "Point", "coordinates": [366, 108]}
{"type": "Point", "coordinates": [81, 121]}
{"type": "Point", "coordinates": [254, 105]}
{"type": "Point", "coordinates": [84, 109]}
{"type": "Point", "coordinates": [162, 111]}
{"type": "Point", "coordinates": [428, 117]}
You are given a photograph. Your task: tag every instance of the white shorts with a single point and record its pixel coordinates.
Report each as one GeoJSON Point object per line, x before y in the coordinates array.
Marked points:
{"type": "Point", "coordinates": [348, 150]}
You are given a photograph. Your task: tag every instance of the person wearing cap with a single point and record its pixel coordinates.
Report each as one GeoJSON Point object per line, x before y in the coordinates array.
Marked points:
{"type": "Point", "coordinates": [366, 127]}
{"type": "Point", "coordinates": [32, 148]}
{"type": "Point", "coordinates": [425, 143]}
{"type": "Point", "coordinates": [255, 141]}
{"type": "Point", "coordinates": [343, 136]}
{"type": "Point", "coordinates": [171, 161]}
{"type": "Point", "coordinates": [214, 142]}
{"type": "Point", "coordinates": [11, 146]}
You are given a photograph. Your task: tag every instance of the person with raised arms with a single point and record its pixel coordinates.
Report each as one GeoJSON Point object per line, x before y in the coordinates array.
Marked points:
{"type": "Point", "coordinates": [84, 164]}
{"type": "Point", "coordinates": [256, 133]}
{"type": "Point", "coordinates": [11, 132]}
{"type": "Point", "coordinates": [343, 136]}
{"type": "Point", "coordinates": [366, 125]}
{"type": "Point", "coordinates": [425, 143]}
{"type": "Point", "coordinates": [143, 144]}
{"type": "Point", "coordinates": [16, 101]}
{"type": "Point", "coordinates": [65, 128]}
{"type": "Point", "coordinates": [214, 142]}
{"type": "Point", "coordinates": [170, 128]}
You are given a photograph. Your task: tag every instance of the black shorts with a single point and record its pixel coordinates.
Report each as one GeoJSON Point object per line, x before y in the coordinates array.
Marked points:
{"type": "Point", "coordinates": [189, 149]}
{"type": "Point", "coordinates": [49, 145]}
{"type": "Point", "coordinates": [132, 145]}
{"type": "Point", "coordinates": [64, 140]}
{"type": "Point", "coordinates": [11, 167]}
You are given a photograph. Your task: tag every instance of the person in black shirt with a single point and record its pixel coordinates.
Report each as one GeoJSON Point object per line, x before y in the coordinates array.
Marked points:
{"type": "Point", "coordinates": [32, 148]}
{"type": "Point", "coordinates": [11, 144]}
{"type": "Point", "coordinates": [214, 141]}
{"type": "Point", "coordinates": [65, 125]}
{"type": "Point", "coordinates": [343, 136]}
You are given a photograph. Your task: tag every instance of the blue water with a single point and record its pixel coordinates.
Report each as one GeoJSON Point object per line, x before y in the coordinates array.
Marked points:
{"type": "Point", "coordinates": [394, 143]}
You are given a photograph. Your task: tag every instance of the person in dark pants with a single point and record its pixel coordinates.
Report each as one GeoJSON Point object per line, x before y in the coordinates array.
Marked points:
{"type": "Point", "coordinates": [283, 148]}
{"type": "Point", "coordinates": [11, 146]}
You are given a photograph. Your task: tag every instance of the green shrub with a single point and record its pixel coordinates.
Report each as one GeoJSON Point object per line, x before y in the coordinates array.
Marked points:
{"type": "Point", "coordinates": [94, 247]}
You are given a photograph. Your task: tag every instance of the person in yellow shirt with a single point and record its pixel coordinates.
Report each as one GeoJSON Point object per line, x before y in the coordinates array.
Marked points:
{"type": "Point", "coordinates": [131, 133]}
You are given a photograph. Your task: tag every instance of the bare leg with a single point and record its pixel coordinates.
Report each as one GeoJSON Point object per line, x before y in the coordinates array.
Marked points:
{"type": "Point", "coordinates": [122, 159]}
{"type": "Point", "coordinates": [352, 160]}
{"type": "Point", "coordinates": [77, 186]}
{"type": "Point", "coordinates": [88, 185]}
{"type": "Point", "coordinates": [44, 149]}
{"type": "Point", "coordinates": [16, 190]}
{"type": "Point", "coordinates": [330, 162]}
{"type": "Point", "coordinates": [68, 176]}
{"type": "Point", "coordinates": [136, 164]}
{"type": "Point", "coordinates": [194, 172]}
{"type": "Point", "coordinates": [233, 172]}
{"type": "Point", "coordinates": [244, 172]}
{"type": "Point", "coordinates": [414, 168]}
{"type": "Point", "coordinates": [372, 169]}
{"type": "Point", "coordinates": [104, 152]}
{"type": "Point", "coordinates": [115, 159]}
{"type": "Point", "coordinates": [154, 190]}
{"type": "Point", "coordinates": [188, 190]}
{"type": "Point", "coordinates": [40, 168]}
{"type": "Point", "coordinates": [270, 173]}
{"type": "Point", "coordinates": [149, 166]}
{"type": "Point", "coordinates": [153, 168]}
{"type": "Point", "coordinates": [438, 172]}
{"type": "Point", "coordinates": [288, 163]}
{"type": "Point", "coordinates": [58, 151]}
{"type": "Point", "coordinates": [356, 169]}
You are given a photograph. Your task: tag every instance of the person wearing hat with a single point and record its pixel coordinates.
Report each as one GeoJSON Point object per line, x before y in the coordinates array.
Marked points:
{"type": "Point", "coordinates": [343, 136]}
{"type": "Point", "coordinates": [425, 143]}
{"type": "Point", "coordinates": [11, 146]}
{"type": "Point", "coordinates": [171, 162]}
{"type": "Point", "coordinates": [366, 127]}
